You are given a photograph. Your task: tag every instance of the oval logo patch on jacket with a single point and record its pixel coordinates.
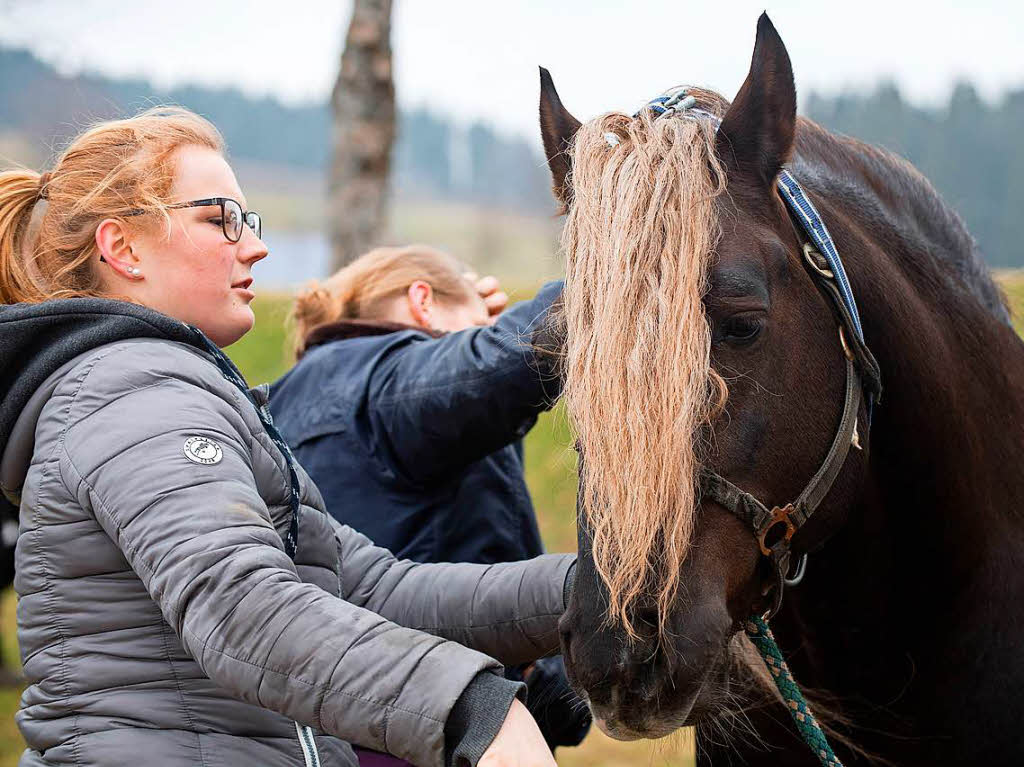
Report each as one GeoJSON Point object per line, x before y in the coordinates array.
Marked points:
{"type": "Point", "coordinates": [203, 450]}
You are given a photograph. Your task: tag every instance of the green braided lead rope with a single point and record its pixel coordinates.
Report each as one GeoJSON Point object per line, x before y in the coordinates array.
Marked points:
{"type": "Point", "coordinates": [761, 636]}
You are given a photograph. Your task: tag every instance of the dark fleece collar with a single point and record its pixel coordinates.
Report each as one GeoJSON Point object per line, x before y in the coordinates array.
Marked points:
{"type": "Point", "coordinates": [342, 330]}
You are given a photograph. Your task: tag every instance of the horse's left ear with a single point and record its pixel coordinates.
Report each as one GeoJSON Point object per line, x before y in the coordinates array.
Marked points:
{"type": "Point", "coordinates": [557, 128]}
{"type": "Point", "coordinates": [756, 135]}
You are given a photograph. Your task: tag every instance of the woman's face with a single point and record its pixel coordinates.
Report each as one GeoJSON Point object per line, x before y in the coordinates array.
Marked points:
{"type": "Point", "coordinates": [459, 316]}
{"type": "Point", "coordinates": [193, 272]}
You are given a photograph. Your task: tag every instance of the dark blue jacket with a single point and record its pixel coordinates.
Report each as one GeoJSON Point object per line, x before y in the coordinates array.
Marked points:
{"type": "Point", "coordinates": [413, 439]}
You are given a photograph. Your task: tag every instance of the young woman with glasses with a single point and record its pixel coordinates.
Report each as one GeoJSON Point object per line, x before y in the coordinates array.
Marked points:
{"type": "Point", "coordinates": [183, 596]}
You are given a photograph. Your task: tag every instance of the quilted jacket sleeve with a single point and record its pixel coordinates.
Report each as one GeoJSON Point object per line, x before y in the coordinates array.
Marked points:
{"type": "Point", "coordinates": [201, 540]}
{"type": "Point", "coordinates": [472, 604]}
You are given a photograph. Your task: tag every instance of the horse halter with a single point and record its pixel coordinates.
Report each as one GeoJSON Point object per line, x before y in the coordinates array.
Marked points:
{"type": "Point", "coordinates": [774, 528]}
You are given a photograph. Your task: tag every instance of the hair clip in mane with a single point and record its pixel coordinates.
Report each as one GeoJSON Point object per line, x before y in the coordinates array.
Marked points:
{"type": "Point", "coordinates": [679, 101]}
{"type": "Point", "coordinates": [674, 100]}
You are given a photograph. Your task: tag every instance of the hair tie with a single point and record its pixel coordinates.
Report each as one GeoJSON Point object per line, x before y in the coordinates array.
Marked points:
{"type": "Point", "coordinates": [44, 181]}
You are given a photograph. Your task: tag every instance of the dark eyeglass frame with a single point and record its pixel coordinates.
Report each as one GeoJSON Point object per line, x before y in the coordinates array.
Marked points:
{"type": "Point", "coordinates": [250, 218]}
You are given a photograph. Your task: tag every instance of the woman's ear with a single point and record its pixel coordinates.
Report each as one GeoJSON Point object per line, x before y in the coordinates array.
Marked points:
{"type": "Point", "coordinates": [421, 303]}
{"type": "Point", "coordinates": [114, 246]}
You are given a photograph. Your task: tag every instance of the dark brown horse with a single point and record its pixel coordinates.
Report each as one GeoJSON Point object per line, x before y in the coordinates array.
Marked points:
{"type": "Point", "coordinates": [910, 620]}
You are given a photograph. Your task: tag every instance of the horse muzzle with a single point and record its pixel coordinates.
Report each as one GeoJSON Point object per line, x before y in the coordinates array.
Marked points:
{"type": "Point", "coordinates": [623, 721]}
{"type": "Point", "coordinates": [650, 686]}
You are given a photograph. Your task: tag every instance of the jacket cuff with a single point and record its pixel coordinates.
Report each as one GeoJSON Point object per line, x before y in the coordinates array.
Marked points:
{"type": "Point", "coordinates": [548, 341]}
{"type": "Point", "coordinates": [477, 716]}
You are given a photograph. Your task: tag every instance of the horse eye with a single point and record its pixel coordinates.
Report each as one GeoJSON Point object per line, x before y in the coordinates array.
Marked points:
{"type": "Point", "coordinates": [741, 329]}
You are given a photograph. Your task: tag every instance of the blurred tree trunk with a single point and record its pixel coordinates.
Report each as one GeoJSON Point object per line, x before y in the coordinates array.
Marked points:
{"type": "Point", "coordinates": [364, 131]}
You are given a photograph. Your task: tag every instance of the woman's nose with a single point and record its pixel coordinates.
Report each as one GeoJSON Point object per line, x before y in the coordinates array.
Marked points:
{"type": "Point", "coordinates": [252, 248]}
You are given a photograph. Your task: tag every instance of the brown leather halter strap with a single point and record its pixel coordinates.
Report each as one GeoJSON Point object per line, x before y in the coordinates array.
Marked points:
{"type": "Point", "coordinates": [774, 528]}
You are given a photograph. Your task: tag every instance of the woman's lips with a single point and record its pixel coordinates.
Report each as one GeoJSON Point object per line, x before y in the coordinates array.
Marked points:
{"type": "Point", "coordinates": [243, 288]}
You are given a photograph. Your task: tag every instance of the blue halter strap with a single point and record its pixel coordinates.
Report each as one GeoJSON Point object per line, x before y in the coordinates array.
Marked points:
{"type": "Point", "coordinates": [805, 212]}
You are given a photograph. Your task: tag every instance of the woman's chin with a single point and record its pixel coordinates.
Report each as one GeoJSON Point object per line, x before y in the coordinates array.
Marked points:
{"type": "Point", "coordinates": [229, 329]}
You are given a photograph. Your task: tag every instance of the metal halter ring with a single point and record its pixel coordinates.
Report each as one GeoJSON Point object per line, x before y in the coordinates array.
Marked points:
{"type": "Point", "coordinates": [801, 570]}
{"type": "Point", "coordinates": [779, 516]}
{"type": "Point", "coordinates": [846, 347]}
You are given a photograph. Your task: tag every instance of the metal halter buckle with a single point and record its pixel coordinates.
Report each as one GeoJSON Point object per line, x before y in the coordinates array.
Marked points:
{"type": "Point", "coordinates": [778, 516]}
{"type": "Point", "coordinates": [817, 261]}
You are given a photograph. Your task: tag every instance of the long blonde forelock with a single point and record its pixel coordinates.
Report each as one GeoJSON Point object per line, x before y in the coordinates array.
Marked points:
{"type": "Point", "coordinates": [639, 237]}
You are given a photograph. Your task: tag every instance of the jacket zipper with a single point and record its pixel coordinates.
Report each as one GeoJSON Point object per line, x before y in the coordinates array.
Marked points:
{"type": "Point", "coordinates": [309, 752]}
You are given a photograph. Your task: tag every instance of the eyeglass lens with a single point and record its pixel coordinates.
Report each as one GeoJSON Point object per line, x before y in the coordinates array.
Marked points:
{"type": "Point", "coordinates": [232, 220]}
{"type": "Point", "coordinates": [252, 218]}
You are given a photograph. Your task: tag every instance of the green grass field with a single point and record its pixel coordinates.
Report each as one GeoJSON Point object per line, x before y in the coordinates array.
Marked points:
{"type": "Point", "coordinates": [550, 467]}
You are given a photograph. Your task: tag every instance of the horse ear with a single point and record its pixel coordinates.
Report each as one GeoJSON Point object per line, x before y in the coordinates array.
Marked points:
{"type": "Point", "coordinates": [756, 135]}
{"type": "Point", "coordinates": [557, 127]}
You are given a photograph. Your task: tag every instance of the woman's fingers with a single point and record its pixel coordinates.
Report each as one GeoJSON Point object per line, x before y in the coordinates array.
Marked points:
{"type": "Point", "coordinates": [485, 286]}
{"type": "Point", "coordinates": [496, 302]}
{"type": "Point", "coordinates": [489, 289]}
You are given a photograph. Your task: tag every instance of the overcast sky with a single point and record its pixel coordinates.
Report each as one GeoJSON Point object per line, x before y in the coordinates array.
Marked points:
{"type": "Point", "coordinates": [477, 59]}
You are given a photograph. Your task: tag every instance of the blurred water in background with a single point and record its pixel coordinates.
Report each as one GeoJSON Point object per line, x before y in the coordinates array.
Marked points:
{"type": "Point", "coordinates": [520, 249]}
{"type": "Point", "coordinates": [295, 258]}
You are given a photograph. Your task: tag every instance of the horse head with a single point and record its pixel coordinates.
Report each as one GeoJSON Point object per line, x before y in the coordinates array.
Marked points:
{"type": "Point", "coordinates": [695, 340]}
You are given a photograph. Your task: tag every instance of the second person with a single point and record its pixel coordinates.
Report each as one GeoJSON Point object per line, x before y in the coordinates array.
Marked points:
{"type": "Point", "coordinates": [407, 406]}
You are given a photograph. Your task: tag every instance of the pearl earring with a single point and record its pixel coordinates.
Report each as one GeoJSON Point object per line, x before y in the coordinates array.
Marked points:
{"type": "Point", "coordinates": [134, 270]}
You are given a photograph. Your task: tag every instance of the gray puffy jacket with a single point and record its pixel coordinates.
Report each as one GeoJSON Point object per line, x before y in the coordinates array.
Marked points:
{"type": "Point", "coordinates": [160, 619]}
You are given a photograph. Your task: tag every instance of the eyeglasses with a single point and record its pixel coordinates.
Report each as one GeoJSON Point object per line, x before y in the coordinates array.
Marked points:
{"type": "Point", "coordinates": [232, 217]}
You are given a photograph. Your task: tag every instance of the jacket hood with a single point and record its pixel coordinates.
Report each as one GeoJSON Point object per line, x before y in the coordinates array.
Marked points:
{"type": "Point", "coordinates": [37, 340]}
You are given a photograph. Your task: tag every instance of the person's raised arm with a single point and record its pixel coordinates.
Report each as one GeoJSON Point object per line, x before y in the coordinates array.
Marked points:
{"type": "Point", "coordinates": [440, 404]}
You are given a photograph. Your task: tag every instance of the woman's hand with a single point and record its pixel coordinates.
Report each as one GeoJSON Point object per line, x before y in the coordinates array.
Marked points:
{"type": "Point", "coordinates": [518, 743]}
{"type": "Point", "coordinates": [489, 289]}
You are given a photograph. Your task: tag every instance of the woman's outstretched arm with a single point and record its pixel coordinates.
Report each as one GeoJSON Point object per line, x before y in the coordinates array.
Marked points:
{"type": "Point", "coordinates": [508, 610]}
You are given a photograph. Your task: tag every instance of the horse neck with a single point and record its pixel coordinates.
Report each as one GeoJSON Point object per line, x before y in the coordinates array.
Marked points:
{"type": "Point", "coordinates": [943, 500]}
{"type": "Point", "coordinates": [949, 431]}
{"type": "Point", "coordinates": [934, 548]}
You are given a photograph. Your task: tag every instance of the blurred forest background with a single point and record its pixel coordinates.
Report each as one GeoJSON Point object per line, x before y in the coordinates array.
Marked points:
{"type": "Point", "coordinates": [495, 187]}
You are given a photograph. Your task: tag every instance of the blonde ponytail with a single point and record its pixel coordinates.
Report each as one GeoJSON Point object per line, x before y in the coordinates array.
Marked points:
{"type": "Point", "coordinates": [19, 193]}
